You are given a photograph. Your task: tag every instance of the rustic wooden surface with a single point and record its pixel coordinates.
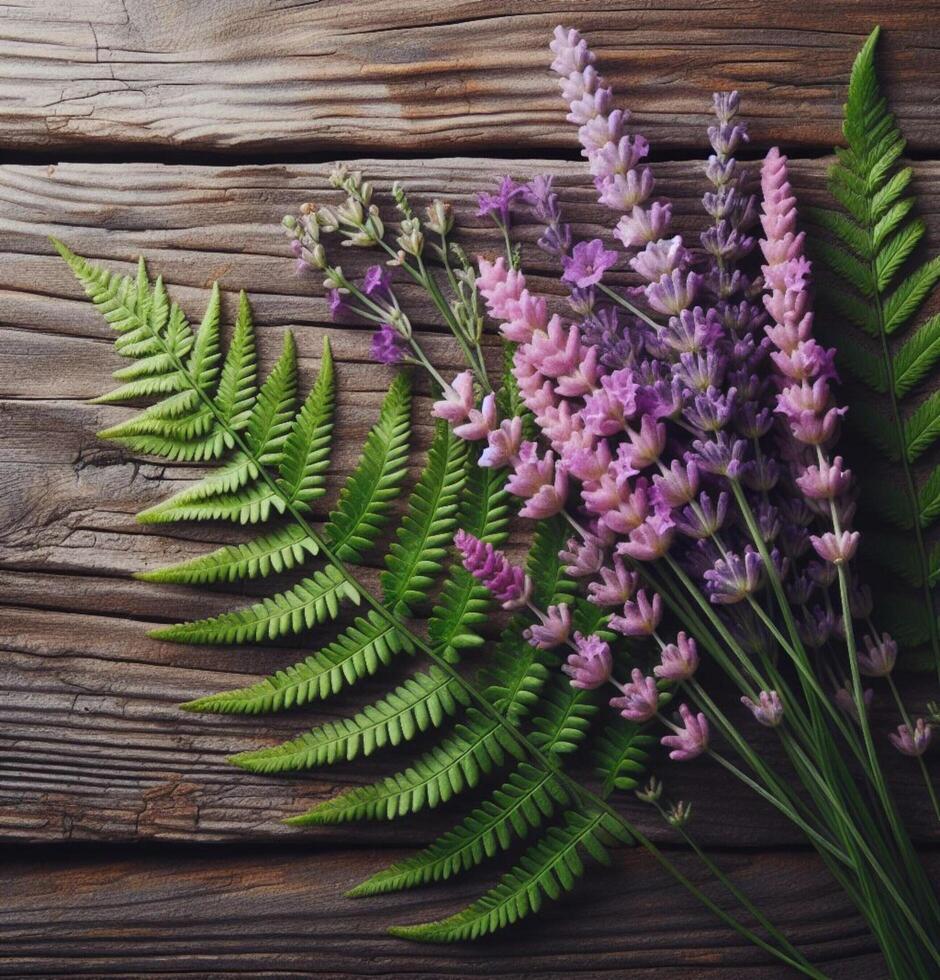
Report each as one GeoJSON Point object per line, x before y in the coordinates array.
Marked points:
{"type": "Point", "coordinates": [145, 853]}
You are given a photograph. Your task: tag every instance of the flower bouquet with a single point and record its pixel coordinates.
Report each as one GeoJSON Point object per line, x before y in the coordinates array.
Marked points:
{"type": "Point", "coordinates": [674, 446]}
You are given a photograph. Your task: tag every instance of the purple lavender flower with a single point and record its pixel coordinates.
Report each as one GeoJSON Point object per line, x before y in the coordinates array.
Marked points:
{"type": "Point", "coordinates": [678, 661]}
{"type": "Point", "coordinates": [388, 345]}
{"type": "Point", "coordinates": [879, 656]}
{"type": "Point", "coordinates": [541, 197]}
{"type": "Point", "coordinates": [590, 666]}
{"type": "Point", "coordinates": [338, 304]}
{"type": "Point", "coordinates": [914, 742]}
{"type": "Point", "coordinates": [617, 585]}
{"type": "Point", "coordinates": [640, 699]}
{"type": "Point", "coordinates": [835, 548]}
{"type": "Point", "coordinates": [499, 204]}
{"type": "Point", "coordinates": [690, 741]}
{"type": "Point", "coordinates": [640, 616]}
{"type": "Point", "coordinates": [377, 282]}
{"type": "Point", "coordinates": [768, 709]}
{"type": "Point", "coordinates": [552, 630]}
{"type": "Point", "coordinates": [587, 263]}
{"type": "Point", "coordinates": [509, 585]}
{"type": "Point", "coordinates": [735, 577]}
{"type": "Point", "coordinates": [583, 558]}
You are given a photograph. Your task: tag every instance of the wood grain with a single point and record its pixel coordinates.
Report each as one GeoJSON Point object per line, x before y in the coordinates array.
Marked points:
{"type": "Point", "coordinates": [209, 76]}
{"type": "Point", "coordinates": [92, 745]}
{"type": "Point", "coordinates": [280, 913]}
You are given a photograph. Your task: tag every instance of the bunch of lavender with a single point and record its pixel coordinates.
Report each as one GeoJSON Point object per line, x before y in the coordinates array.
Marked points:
{"type": "Point", "coordinates": [684, 430]}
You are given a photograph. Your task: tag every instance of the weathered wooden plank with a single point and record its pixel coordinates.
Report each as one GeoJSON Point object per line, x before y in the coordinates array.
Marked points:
{"type": "Point", "coordinates": [93, 744]}
{"type": "Point", "coordinates": [273, 79]}
{"type": "Point", "coordinates": [278, 913]}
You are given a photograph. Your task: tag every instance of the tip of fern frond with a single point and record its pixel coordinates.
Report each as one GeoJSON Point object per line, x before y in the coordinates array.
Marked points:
{"type": "Point", "coordinates": [302, 820]}
{"type": "Point", "coordinates": [416, 932]}
{"type": "Point", "coordinates": [60, 247]}
{"type": "Point", "coordinates": [197, 704]}
{"type": "Point", "coordinates": [165, 633]}
{"type": "Point", "coordinates": [360, 891]}
{"type": "Point", "coordinates": [152, 515]}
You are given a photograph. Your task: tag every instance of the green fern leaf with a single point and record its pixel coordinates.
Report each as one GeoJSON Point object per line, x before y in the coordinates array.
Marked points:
{"type": "Point", "coordinates": [237, 390]}
{"type": "Point", "coordinates": [923, 427]}
{"type": "Point", "coordinates": [313, 601]}
{"type": "Point", "coordinates": [546, 870]}
{"type": "Point", "coordinates": [522, 804]}
{"type": "Point", "coordinates": [369, 643]}
{"type": "Point", "coordinates": [565, 719]}
{"type": "Point", "coordinates": [415, 559]}
{"type": "Point", "coordinates": [281, 550]}
{"type": "Point", "coordinates": [903, 303]}
{"type": "Point", "coordinates": [463, 603]}
{"type": "Point", "coordinates": [306, 449]}
{"type": "Point", "coordinates": [424, 701]}
{"type": "Point", "coordinates": [896, 251]}
{"type": "Point", "coordinates": [366, 499]}
{"type": "Point", "coordinates": [455, 764]}
{"type": "Point", "coordinates": [622, 755]}
{"type": "Point", "coordinates": [915, 358]}
{"type": "Point", "coordinates": [929, 499]}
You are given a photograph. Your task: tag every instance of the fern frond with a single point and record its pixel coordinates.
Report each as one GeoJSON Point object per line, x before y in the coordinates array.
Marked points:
{"type": "Point", "coordinates": [622, 755]}
{"type": "Point", "coordinates": [546, 870]}
{"type": "Point", "coordinates": [281, 550]}
{"type": "Point", "coordinates": [312, 601]}
{"type": "Point", "coordinates": [306, 454]}
{"type": "Point", "coordinates": [366, 499]}
{"type": "Point", "coordinates": [457, 763]}
{"type": "Point", "coordinates": [367, 644]}
{"type": "Point", "coordinates": [874, 283]}
{"type": "Point", "coordinates": [415, 559]}
{"type": "Point", "coordinates": [565, 717]}
{"type": "Point", "coordinates": [522, 804]}
{"type": "Point", "coordinates": [424, 701]}
{"type": "Point", "coordinates": [463, 603]}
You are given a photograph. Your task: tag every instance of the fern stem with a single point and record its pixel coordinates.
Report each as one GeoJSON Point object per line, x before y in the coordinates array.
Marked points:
{"type": "Point", "coordinates": [742, 898]}
{"type": "Point", "coordinates": [725, 917]}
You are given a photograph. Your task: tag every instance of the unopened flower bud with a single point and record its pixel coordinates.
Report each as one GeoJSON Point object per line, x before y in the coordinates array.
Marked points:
{"type": "Point", "coordinates": [651, 792]}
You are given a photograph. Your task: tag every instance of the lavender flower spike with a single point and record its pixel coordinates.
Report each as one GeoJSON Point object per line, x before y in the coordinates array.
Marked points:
{"type": "Point", "coordinates": [640, 698]}
{"type": "Point", "coordinates": [510, 585]}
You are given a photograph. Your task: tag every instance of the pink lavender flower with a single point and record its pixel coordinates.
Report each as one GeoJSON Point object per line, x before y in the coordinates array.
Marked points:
{"type": "Point", "coordinates": [509, 585]}
{"type": "Point", "coordinates": [552, 630]}
{"type": "Point", "coordinates": [768, 709]}
{"type": "Point", "coordinates": [691, 740]}
{"type": "Point", "coordinates": [591, 665]}
{"type": "Point", "coordinates": [615, 587]}
{"type": "Point", "coordinates": [503, 444]}
{"type": "Point", "coordinates": [458, 400]}
{"type": "Point", "coordinates": [651, 540]}
{"type": "Point", "coordinates": [640, 226]}
{"type": "Point", "coordinates": [640, 699]}
{"type": "Point", "coordinates": [543, 485]}
{"type": "Point", "coordinates": [640, 616]}
{"type": "Point", "coordinates": [500, 286]}
{"type": "Point", "coordinates": [480, 421]}
{"type": "Point", "coordinates": [678, 661]}
{"type": "Point", "coordinates": [583, 558]}
{"type": "Point", "coordinates": [835, 548]}
{"type": "Point", "coordinates": [825, 482]}
{"type": "Point", "coordinates": [878, 657]}
{"type": "Point", "coordinates": [587, 263]}
{"type": "Point", "coordinates": [914, 742]}
{"type": "Point", "coordinates": [388, 345]}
